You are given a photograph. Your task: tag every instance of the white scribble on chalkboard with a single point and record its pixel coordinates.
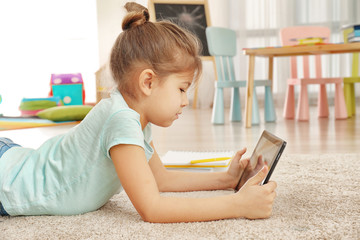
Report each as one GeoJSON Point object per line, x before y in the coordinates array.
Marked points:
{"type": "Point", "coordinates": [187, 19]}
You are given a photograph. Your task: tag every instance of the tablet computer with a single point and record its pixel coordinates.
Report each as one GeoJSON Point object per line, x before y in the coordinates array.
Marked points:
{"type": "Point", "coordinates": [269, 148]}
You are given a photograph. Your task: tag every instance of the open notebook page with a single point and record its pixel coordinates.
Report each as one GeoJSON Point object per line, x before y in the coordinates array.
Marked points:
{"type": "Point", "coordinates": [182, 159]}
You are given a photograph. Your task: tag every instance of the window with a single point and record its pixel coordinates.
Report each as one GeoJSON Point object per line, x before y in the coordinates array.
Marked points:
{"type": "Point", "coordinates": [41, 37]}
{"type": "Point", "coordinates": [258, 23]}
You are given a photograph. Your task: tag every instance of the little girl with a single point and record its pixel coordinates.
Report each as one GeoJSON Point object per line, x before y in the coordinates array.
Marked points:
{"type": "Point", "coordinates": [154, 65]}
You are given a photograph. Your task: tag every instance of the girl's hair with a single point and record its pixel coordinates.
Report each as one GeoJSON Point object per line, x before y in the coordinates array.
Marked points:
{"type": "Point", "coordinates": [161, 46]}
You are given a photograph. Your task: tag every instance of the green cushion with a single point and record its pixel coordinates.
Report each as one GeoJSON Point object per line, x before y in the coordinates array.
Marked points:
{"type": "Point", "coordinates": [65, 113]}
{"type": "Point", "coordinates": [35, 105]}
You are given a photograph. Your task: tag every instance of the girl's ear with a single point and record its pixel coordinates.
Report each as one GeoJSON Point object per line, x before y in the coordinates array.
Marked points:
{"type": "Point", "coordinates": [147, 79]}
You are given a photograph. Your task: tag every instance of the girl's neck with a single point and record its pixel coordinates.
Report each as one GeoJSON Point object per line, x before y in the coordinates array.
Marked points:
{"type": "Point", "coordinates": [137, 106]}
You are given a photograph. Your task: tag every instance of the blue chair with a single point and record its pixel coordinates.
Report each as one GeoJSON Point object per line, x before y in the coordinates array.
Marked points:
{"type": "Point", "coordinates": [222, 45]}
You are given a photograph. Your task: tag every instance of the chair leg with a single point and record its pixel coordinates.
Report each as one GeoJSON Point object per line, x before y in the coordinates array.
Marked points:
{"type": "Point", "coordinates": [323, 106]}
{"type": "Point", "coordinates": [303, 104]}
{"type": "Point", "coordinates": [340, 106]}
{"type": "Point", "coordinates": [235, 106]}
{"type": "Point", "coordinates": [255, 116]}
{"type": "Point", "coordinates": [270, 114]}
{"type": "Point", "coordinates": [348, 99]}
{"type": "Point", "coordinates": [218, 107]}
{"type": "Point", "coordinates": [289, 107]}
{"type": "Point", "coordinates": [353, 102]}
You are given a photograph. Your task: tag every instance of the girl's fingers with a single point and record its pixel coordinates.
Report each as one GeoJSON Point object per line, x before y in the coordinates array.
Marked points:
{"type": "Point", "coordinates": [244, 163]}
{"type": "Point", "coordinates": [255, 180]}
{"type": "Point", "coordinates": [271, 185]}
{"type": "Point", "coordinates": [240, 153]}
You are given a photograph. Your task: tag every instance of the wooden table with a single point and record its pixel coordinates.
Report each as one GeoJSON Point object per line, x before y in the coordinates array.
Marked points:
{"type": "Point", "coordinates": [286, 51]}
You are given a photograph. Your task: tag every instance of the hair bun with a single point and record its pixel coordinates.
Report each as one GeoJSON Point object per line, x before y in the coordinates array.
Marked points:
{"type": "Point", "coordinates": [137, 15]}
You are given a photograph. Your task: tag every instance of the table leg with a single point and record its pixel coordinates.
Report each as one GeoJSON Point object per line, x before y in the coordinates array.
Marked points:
{"type": "Point", "coordinates": [271, 70]}
{"type": "Point", "coordinates": [249, 91]}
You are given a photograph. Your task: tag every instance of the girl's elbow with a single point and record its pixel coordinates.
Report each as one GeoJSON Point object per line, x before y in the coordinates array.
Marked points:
{"type": "Point", "coordinates": [150, 213]}
{"type": "Point", "coordinates": [149, 219]}
{"type": "Point", "coordinates": [150, 216]}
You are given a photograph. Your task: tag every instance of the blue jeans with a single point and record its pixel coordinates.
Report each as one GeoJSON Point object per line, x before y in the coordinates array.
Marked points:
{"type": "Point", "coordinates": [5, 144]}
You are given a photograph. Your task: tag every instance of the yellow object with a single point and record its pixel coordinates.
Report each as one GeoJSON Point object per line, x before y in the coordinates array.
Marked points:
{"type": "Point", "coordinates": [310, 40]}
{"type": "Point", "coordinates": [349, 82]}
{"type": "Point", "coordinates": [346, 33]}
{"type": "Point", "coordinates": [349, 86]}
{"type": "Point", "coordinates": [195, 166]}
{"type": "Point", "coordinates": [209, 160]}
{"type": "Point", "coordinates": [205, 160]}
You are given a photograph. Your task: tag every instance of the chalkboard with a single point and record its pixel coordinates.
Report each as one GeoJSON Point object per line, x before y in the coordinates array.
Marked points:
{"type": "Point", "coordinates": [191, 15]}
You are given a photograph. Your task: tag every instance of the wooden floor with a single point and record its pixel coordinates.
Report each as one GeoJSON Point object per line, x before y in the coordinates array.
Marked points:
{"type": "Point", "coordinates": [193, 131]}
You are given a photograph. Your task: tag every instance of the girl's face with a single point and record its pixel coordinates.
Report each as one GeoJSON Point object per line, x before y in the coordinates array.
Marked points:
{"type": "Point", "coordinates": [168, 99]}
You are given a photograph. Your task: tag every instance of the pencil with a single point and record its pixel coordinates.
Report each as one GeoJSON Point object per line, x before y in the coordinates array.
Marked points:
{"type": "Point", "coordinates": [209, 160]}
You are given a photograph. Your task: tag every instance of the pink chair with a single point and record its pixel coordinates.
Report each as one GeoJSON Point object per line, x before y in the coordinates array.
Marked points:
{"type": "Point", "coordinates": [294, 36]}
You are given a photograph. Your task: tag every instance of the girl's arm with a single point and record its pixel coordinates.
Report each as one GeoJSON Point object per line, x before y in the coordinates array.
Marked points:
{"type": "Point", "coordinates": [137, 179]}
{"type": "Point", "coordinates": [175, 181]}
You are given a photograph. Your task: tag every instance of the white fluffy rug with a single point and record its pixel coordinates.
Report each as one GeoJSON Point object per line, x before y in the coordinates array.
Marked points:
{"type": "Point", "coordinates": [318, 198]}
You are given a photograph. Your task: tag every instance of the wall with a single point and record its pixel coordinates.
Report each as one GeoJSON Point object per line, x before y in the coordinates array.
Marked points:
{"type": "Point", "coordinates": [42, 37]}
{"type": "Point", "coordinates": [110, 14]}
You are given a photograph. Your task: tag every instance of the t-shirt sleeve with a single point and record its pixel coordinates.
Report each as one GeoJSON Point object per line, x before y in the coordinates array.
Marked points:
{"type": "Point", "coordinates": [122, 127]}
{"type": "Point", "coordinates": [148, 133]}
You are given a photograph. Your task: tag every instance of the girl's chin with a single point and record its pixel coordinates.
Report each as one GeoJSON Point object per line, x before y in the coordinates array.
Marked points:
{"type": "Point", "coordinates": [168, 124]}
{"type": "Point", "coordinates": [165, 124]}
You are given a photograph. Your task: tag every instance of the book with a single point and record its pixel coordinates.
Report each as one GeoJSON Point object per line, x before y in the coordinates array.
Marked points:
{"type": "Point", "coordinates": [355, 33]}
{"type": "Point", "coordinates": [351, 33]}
{"type": "Point", "coordinates": [209, 161]}
{"type": "Point", "coordinates": [354, 39]}
{"type": "Point", "coordinates": [351, 26]}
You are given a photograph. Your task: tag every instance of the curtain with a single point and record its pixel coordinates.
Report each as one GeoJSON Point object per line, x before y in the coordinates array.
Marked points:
{"type": "Point", "coordinates": [257, 24]}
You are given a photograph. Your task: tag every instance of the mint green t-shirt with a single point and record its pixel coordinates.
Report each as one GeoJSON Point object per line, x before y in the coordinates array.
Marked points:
{"type": "Point", "coordinates": [72, 173]}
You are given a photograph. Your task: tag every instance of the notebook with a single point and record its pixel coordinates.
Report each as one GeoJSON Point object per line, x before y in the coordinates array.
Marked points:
{"type": "Point", "coordinates": [181, 160]}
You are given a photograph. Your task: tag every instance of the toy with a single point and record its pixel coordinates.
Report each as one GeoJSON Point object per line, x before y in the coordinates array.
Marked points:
{"type": "Point", "coordinates": [69, 87]}
{"type": "Point", "coordinates": [31, 106]}
{"type": "Point", "coordinates": [65, 113]}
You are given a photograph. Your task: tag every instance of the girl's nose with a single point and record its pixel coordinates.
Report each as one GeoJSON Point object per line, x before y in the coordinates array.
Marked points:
{"type": "Point", "coordinates": [185, 101]}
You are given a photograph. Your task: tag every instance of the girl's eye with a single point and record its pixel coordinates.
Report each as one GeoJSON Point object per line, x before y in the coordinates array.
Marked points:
{"type": "Point", "coordinates": [182, 90]}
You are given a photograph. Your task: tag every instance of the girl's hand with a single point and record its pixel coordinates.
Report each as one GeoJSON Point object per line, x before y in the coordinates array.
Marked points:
{"type": "Point", "coordinates": [237, 167]}
{"type": "Point", "coordinates": [251, 171]}
{"type": "Point", "coordinates": [256, 201]}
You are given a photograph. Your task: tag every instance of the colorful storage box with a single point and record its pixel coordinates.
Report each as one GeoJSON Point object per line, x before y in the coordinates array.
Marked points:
{"type": "Point", "coordinates": [69, 87]}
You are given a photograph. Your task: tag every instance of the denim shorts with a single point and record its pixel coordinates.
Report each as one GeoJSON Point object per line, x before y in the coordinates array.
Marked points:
{"type": "Point", "coordinates": [5, 144]}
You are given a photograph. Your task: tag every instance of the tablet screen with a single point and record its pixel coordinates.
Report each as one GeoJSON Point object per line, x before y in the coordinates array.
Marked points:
{"type": "Point", "coordinates": [269, 147]}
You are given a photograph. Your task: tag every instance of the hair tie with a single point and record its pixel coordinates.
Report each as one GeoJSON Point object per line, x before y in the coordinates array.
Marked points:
{"type": "Point", "coordinates": [146, 14]}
